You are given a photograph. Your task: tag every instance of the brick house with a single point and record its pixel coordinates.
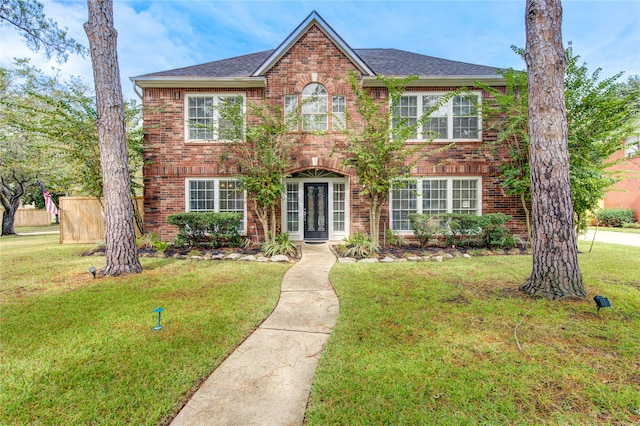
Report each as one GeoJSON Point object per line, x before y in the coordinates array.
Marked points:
{"type": "Point", "coordinates": [626, 192]}
{"type": "Point", "coordinates": [188, 169]}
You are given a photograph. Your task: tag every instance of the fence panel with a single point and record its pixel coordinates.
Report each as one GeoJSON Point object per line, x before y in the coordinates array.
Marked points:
{"type": "Point", "coordinates": [82, 220]}
{"type": "Point", "coordinates": [30, 217]}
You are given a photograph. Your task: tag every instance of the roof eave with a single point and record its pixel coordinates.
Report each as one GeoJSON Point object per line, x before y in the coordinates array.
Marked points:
{"type": "Point", "coordinates": [441, 80]}
{"type": "Point", "coordinates": [199, 82]}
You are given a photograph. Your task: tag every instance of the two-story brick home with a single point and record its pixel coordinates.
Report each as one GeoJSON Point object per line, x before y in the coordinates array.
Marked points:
{"type": "Point", "coordinates": [188, 166]}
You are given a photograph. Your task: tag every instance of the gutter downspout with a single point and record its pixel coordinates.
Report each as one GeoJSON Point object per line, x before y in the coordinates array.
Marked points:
{"type": "Point", "coordinates": [135, 89]}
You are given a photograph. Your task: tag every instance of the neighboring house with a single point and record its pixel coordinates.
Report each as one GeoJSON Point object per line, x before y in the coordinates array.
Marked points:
{"type": "Point", "coordinates": [187, 167]}
{"type": "Point", "coordinates": [626, 192]}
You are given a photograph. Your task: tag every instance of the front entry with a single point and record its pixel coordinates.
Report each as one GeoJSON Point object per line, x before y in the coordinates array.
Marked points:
{"type": "Point", "coordinates": [316, 197]}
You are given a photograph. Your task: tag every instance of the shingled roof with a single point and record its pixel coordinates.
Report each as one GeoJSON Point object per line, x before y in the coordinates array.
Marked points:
{"type": "Point", "coordinates": [381, 61]}
{"type": "Point", "coordinates": [250, 70]}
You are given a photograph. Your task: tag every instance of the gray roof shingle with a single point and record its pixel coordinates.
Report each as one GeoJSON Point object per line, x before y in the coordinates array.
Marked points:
{"type": "Point", "coordinates": [381, 61]}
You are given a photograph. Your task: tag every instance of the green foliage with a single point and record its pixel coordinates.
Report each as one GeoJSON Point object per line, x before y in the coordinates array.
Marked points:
{"type": "Point", "coordinates": [425, 227]}
{"type": "Point", "coordinates": [279, 245]}
{"type": "Point", "coordinates": [375, 145]}
{"type": "Point", "coordinates": [206, 228]}
{"type": "Point", "coordinates": [360, 245]}
{"type": "Point", "coordinates": [488, 230]}
{"type": "Point", "coordinates": [600, 114]}
{"type": "Point", "coordinates": [615, 218]}
{"type": "Point", "coordinates": [38, 32]}
{"type": "Point", "coordinates": [261, 150]}
{"type": "Point", "coordinates": [395, 239]}
{"type": "Point", "coordinates": [152, 240]}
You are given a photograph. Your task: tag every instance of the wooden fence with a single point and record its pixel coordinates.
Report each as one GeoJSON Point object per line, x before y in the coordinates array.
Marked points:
{"type": "Point", "coordinates": [30, 217]}
{"type": "Point", "coordinates": [82, 220]}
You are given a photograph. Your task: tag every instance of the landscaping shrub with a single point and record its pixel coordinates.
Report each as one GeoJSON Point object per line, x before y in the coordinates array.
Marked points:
{"type": "Point", "coordinates": [425, 228]}
{"type": "Point", "coordinates": [482, 231]}
{"type": "Point", "coordinates": [206, 228]}
{"type": "Point", "coordinates": [279, 245]}
{"type": "Point", "coordinates": [360, 245]}
{"type": "Point", "coordinates": [395, 239]}
{"type": "Point", "coordinates": [615, 218]}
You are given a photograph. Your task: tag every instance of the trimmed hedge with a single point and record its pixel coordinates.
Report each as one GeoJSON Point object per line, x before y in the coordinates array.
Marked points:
{"type": "Point", "coordinates": [206, 228]}
{"type": "Point", "coordinates": [488, 230]}
{"type": "Point", "coordinates": [615, 218]}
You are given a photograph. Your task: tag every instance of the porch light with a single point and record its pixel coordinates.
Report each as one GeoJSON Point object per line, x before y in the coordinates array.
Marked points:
{"type": "Point", "coordinates": [602, 302]}
{"type": "Point", "coordinates": [93, 271]}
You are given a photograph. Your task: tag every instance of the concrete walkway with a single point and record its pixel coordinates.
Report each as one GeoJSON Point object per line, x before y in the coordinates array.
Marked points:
{"type": "Point", "coordinates": [624, 238]}
{"type": "Point", "coordinates": [267, 380]}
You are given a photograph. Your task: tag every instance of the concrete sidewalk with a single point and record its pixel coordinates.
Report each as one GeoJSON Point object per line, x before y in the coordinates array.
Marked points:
{"type": "Point", "coordinates": [267, 380]}
{"type": "Point", "coordinates": [624, 238]}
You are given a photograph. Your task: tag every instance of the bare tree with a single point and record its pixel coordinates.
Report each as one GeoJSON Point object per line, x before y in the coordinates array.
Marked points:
{"type": "Point", "coordinates": [121, 253]}
{"type": "Point", "coordinates": [556, 273]}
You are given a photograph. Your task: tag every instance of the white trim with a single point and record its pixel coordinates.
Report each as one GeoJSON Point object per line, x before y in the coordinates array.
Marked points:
{"type": "Point", "coordinates": [441, 80]}
{"type": "Point", "coordinates": [199, 82]}
{"type": "Point", "coordinates": [333, 235]}
{"type": "Point", "coordinates": [216, 197]}
{"type": "Point", "coordinates": [449, 179]}
{"type": "Point", "coordinates": [312, 19]}
{"type": "Point", "coordinates": [214, 96]}
{"type": "Point", "coordinates": [450, 116]}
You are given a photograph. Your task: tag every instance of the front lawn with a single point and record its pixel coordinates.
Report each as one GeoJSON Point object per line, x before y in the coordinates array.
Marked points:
{"type": "Point", "coordinates": [433, 343]}
{"type": "Point", "coordinates": [78, 351]}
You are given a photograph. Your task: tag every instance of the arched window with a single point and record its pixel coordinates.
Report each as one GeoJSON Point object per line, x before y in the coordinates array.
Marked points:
{"type": "Point", "coordinates": [314, 107]}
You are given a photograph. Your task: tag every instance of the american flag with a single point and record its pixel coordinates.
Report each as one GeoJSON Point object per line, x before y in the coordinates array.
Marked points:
{"type": "Point", "coordinates": [48, 202]}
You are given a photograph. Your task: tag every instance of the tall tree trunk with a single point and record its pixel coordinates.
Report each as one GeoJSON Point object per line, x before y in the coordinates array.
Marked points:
{"type": "Point", "coordinates": [121, 253]}
{"type": "Point", "coordinates": [555, 273]}
{"type": "Point", "coordinates": [374, 218]}
{"type": "Point", "coordinates": [10, 194]}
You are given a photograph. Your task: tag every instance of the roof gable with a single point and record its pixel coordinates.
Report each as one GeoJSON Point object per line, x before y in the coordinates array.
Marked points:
{"type": "Point", "coordinates": [296, 35]}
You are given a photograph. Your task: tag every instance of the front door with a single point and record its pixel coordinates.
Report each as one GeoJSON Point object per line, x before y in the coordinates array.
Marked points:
{"type": "Point", "coordinates": [316, 197]}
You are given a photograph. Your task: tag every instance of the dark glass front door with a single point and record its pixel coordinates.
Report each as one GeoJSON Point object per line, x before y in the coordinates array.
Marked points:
{"type": "Point", "coordinates": [316, 199]}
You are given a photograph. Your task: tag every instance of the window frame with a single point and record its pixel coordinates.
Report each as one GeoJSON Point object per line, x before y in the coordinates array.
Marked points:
{"type": "Point", "coordinates": [217, 198]}
{"type": "Point", "coordinates": [419, 199]}
{"type": "Point", "coordinates": [315, 109]}
{"type": "Point", "coordinates": [451, 118]}
{"type": "Point", "coordinates": [215, 117]}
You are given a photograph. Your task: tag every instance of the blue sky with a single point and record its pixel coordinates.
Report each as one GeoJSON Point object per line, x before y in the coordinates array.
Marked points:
{"type": "Point", "coordinates": [165, 34]}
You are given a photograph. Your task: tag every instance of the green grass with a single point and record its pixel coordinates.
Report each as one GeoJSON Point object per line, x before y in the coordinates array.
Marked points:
{"type": "Point", "coordinates": [78, 350]}
{"type": "Point", "coordinates": [433, 343]}
{"type": "Point", "coordinates": [34, 229]}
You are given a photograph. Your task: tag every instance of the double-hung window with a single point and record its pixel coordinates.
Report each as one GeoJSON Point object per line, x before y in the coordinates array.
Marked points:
{"type": "Point", "coordinates": [212, 117]}
{"type": "Point", "coordinates": [314, 107]}
{"type": "Point", "coordinates": [456, 119]}
{"type": "Point", "coordinates": [338, 112]}
{"type": "Point", "coordinates": [216, 195]}
{"type": "Point", "coordinates": [433, 196]}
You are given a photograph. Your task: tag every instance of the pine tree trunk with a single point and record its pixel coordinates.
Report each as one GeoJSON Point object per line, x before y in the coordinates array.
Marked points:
{"type": "Point", "coordinates": [555, 273]}
{"type": "Point", "coordinates": [121, 252]}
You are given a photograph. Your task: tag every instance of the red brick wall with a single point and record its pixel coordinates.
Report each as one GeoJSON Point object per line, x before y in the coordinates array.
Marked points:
{"type": "Point", "coordinates": [625, 193]}
{"type": "Point", "coordinates": [169, 160]}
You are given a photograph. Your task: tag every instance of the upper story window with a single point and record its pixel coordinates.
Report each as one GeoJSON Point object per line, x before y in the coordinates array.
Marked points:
{"type": "Point", "coordinates": [457, 119]}
{"type": "Point", "coordinates": [314, 107]}
{"type": "Point", "coordinates": [209, 117]}
{"type": "Point", "coordinates": [632, 146]}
